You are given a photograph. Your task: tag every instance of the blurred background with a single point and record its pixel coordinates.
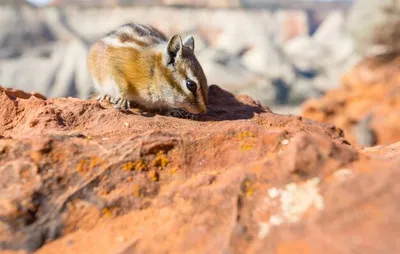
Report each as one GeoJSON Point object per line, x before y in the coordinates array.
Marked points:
{"type": "Point", "coordinates": [281, 52]}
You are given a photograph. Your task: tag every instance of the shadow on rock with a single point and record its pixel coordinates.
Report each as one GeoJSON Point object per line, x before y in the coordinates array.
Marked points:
{"type": "Point", "coordinates": [223, 105]}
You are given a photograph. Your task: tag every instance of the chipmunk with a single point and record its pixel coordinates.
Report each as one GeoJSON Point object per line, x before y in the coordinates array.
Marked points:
{"type": "Point", "coordinates": [137, 63]}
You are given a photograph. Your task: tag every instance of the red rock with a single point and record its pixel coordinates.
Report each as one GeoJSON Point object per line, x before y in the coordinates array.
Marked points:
{"type": "Point", "coordinates": [240, 179]}
{"type": "Point", "coordinates": [372, 87]}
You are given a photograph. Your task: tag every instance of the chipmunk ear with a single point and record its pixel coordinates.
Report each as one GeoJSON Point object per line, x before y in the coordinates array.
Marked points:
{"type": "Point", "coordinates": [174, 49]}
{"type": "Point", "coordinates": [189, 42]}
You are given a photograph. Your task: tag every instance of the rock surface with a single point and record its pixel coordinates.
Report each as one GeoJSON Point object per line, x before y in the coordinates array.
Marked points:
{"type": "Point", "coordinates": [79, 177]}
{"type": "Point", "coordinates": [366, 106]}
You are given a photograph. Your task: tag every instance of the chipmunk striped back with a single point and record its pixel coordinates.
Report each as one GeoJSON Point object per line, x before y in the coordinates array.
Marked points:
{"type": "Point", "coordinates": [138, 63]}
{"type": "Point", "coordinates": [135, 36]}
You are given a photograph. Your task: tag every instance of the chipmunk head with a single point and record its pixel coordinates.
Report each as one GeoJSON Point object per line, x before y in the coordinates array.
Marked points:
{"type": "Point", "coordinates": [185, 75]}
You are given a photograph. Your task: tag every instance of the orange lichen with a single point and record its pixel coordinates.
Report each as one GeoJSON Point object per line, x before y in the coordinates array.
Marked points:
{"type": "Point", "coordinates": [161, 160]}
{"type": "Point", "coordinates": [246, 137]}
{"type": "Point", "coordinates": [246, 147]}
{"type": "Point", "coordinates": [95, 161]}
{"type": "Point", "coordinates": [83, 166]}
{"type": "Point", "coordinates": [154, 176]}
{"type": "Point", "coordinates": [172, 171]}
{"type": "Point", "coordinates": [248, 188]}
{"type": "Point", "coordinates": [128, 166]}
{"type": "Point", "coordinates": [245, 134]}
{"type": "Point", "coordinates": [136, 190]}
{"type": "Point", "coordinates": [140, 165]}
{"type": "Point", "coordinates": [88, 164]}
{"type": "Point", "coordinates": [107, 212]}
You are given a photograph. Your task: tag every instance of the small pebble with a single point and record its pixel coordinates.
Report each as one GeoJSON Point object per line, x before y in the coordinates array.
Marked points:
{"type": "Point", "coordinates": [285, 142]}
{"type": "Point", "coordinates": [273, 192]}
{"type": "Point", "coordinates": [69, 242]}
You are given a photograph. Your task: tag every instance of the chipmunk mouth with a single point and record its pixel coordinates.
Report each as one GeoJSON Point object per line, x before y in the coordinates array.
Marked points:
{"type": "Point", "coordinates": [195, 110]}
{"type": "Point", "coordinates": [191, 111]}
{"type": "Point", "coordinates": [188, 108]}
{"type": "Point", "coordinates": [192, 108]}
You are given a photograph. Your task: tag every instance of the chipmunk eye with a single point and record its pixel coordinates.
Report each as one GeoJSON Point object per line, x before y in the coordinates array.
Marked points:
{"type": "Point", "coordinates": [191, 85]}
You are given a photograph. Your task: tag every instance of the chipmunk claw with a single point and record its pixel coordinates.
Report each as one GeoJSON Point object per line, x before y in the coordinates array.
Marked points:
{"type": "Point", "coordinates": [121, 104]}
{"type": "Point", "coordinates": [179, 113]}
{"type": "Point", "coordinates": [102, 97]}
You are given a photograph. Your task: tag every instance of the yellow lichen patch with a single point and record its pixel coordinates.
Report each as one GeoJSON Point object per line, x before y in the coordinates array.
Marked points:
{"type": "Point", "coordinates": [154, 176]}
{"type": "Point", "coordinates": [136, 190]}
{"type": "Point", "coordinates": [246, 137]}
{"type": "Point", "coordinates": [172, 171]}
{"type": "Point", "coordinates": [88, 164]}
{"type": "Point", "coordinates": [83, 166]}
{"type": "Point", "coordinates": [140, 165]}
{"type": "Point", "coordinates": [246, 147]}
{"type": "Point", "coordinates": [248, 188]}
{"type": "Point", "coordinates": [107, 212]}
{"type": "Point", "coordinates": [161, 160]}
{"type": "Point", "coordinates": [128, 166]}
{"type": "Point", "coordinates": [95, 161]}
{"type": "Point", "coordinates": [246, 134]}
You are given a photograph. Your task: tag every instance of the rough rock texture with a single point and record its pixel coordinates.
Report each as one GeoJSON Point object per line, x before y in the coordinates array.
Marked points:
{"type": "Point", "coordinates": [366, 106]}
{"type": "Point", "coordinates": [82, 177]}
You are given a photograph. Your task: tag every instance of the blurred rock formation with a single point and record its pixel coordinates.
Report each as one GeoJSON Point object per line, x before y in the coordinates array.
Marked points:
{"type": "Point", "coordinates": [268, 54]}
{"type": "Point", "coordinates": [366, 106]}
{"type": "Point", "coordinates": [375, 26]}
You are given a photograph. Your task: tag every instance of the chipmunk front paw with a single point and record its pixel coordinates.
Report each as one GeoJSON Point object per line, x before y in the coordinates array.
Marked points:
{"type": "Point", "coordinates": [121, 104]}
{"type": "Point", "coordinates": [103, 97]}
